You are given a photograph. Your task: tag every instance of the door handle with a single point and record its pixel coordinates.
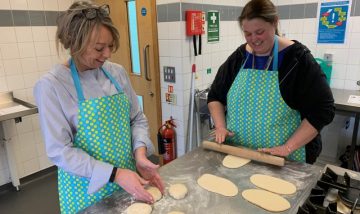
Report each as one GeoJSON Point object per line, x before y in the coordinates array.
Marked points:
{"type": "Point", "coordinates": [146, 60]}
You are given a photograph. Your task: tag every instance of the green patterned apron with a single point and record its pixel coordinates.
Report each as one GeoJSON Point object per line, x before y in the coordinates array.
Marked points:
{"type": "Point", "coordinates": [103, 132]}
{"type": "Point", "coordinates": [256, 112]}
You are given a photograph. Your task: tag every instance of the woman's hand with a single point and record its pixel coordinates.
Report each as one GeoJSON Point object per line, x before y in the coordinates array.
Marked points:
{"type": "Point", "coordinates": [148, 170]}
{"type": "Point", "coordinates": [283, 150]}
{"type": "Point", "coordinates": [221, 134]}
{"type": "Point", "coordinates": [132, 183]}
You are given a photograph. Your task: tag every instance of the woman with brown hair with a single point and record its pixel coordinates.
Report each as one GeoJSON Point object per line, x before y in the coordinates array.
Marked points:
{"type": "Point", "coordinates": [275, 95]}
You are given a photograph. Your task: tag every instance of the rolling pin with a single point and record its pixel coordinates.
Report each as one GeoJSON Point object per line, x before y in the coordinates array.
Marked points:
{"type": "Point", "coordinates": [244, 153]}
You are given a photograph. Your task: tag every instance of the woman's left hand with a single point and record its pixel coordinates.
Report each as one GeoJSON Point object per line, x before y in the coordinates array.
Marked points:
{"type": "Point", "coordinates": [282, 150]}
{"type": "Point", "coordinates": [148, 171]}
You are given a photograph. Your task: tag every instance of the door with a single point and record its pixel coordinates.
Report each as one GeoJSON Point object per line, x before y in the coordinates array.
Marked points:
{"type": "Point", "coordinates": [139, 54]}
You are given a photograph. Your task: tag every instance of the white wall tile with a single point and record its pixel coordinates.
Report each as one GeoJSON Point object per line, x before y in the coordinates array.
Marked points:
{"type": "Point", "coordinates": [353, 72]}
{"type": "Point", "coordinates": [354, 40]}
{"type": "Point", "coordinates": [44, 162]}
{"type": "Point", "coordinates": [163, 30]}
{"type": "Point", "coordinates": [354, 56]}
{"type": "Point", "coordinates": [9, 51]}
{"type": "Point", "coordinates": [175, 48]}
{"type": "Point", "coordinates": [30, 79]}
{"type": "Point", "coordinates": [4, 5]}
{"type": "Point", "coordinates": [18, 5]}
{"type": "Point", "coordinates": [337, 83]}
{"type": "Point", "coordinates": [351, 85]}
{"type": "Point", "coordinates": [44, 63]}
{"type": "Point", "coordinates": [176, 30]}
{"type": "Point", "coordinates": [12, 67]}
{"type": "Point", "coordinates": [23, 34]}
{"type": "Point", "coordinates": [28, 146]}
{"type": "Point", "coordinates": [339, 71]}
{"type": "Point", "coordinates": [31, 166]}
{"type": "Point", "coordinates": [35, 4]}
{"type": "Point", "coordinates": [29, 65]}
{"type": "Point", "coordinates": [42, 48]}
{"type": "Point", "coordinates": [355, 21]}
{"type": "Point", "coordinates": [15, 82]}
{"type": "Point", "coordinates": [40, 33]}
{"type": "Point", "coordinates": [51, 5]}
{"type": "Point", "coordinates": [7, 35]}
{"type": "Point", "coordinates": [3, 85]}
{"type": "Point", "coordinates": [25, 126]}
{"type": "Point", "coordinates": [64, 4]}
{"type": "Point", "coordinates": [2, 71]}
{"type": "Point", "coordinates": [26, 49]}
{"type": "Point", "coordinates": [164, 47]}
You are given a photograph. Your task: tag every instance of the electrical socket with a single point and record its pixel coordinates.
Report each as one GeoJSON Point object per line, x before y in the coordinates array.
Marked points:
{"type": "Point", "coordinates": [328, 57]}
{"type": "Point", "coordinates": [169, 74]}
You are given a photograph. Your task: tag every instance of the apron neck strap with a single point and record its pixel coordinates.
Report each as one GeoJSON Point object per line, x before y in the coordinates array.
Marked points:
{"type": "Point", "coordinates": [76, 79]}
{"type": "Point", "coordinates": [273, 55]}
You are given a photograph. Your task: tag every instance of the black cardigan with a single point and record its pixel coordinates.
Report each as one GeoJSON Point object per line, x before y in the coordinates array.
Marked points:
{"type": "Point", "coordinates": [302, 83]}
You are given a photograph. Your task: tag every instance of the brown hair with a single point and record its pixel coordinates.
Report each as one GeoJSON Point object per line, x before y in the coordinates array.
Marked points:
{"type": "Point", "coordinates": [74, 29]}
{"type": "Point", "coordinates": [263, 9]}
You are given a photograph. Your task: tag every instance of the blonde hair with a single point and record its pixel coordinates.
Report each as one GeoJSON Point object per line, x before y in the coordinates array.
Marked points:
{"type": "Point", "coordinates": [74, 29]}
{"type": "Point", "coordinates": [263, 9]}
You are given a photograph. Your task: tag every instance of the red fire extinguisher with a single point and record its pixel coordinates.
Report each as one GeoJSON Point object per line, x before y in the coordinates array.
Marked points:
{"type": "Point", "coordinates": [167, 141]}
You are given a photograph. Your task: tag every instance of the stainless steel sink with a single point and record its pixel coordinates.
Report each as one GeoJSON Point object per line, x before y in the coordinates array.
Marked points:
{"type": "Point", "coordinates": [13, 108]}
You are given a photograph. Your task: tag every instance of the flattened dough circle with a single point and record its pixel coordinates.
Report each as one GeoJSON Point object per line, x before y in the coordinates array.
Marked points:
{"type": "Point", "coordinates": [266, 200]}
{"type": "Point", "coordinates": [178, 191]}
{"type": "Point", "coordinates": [176, 212]}
{"type": "Point", "coordinates": [138, 208]}
{"type": "Point", "coordinates": [218, 185]}
{"type": "Point", "coordinates": [155, 192]}
{"type": "Point", "coordinates": [273, 184]}
{"type": "Point", "coordinates": [232, 162]}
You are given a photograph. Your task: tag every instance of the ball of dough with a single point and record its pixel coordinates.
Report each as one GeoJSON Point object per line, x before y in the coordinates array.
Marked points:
{"type": "Point", "coordinates": [178, 191]}
{"type": "Point", "coordinates": [176, 212]}
{"type": "Point", "coordinates": [155, 192]}
{"type": "Point", "coordinates": [139, 208]}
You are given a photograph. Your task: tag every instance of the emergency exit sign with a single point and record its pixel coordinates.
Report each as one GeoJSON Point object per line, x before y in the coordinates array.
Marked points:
{"type": "Point", "coordinates": [213, 20]}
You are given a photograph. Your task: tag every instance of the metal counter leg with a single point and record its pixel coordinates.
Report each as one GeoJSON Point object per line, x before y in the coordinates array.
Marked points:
{"type": "Point", "coordinates": [354, 141]}
{"type": "Point", "coordinates": [9, 147]}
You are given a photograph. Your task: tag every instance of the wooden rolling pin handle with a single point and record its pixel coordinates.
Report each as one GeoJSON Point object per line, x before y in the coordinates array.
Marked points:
{"type": "Point", "coordinates": [244, 153]}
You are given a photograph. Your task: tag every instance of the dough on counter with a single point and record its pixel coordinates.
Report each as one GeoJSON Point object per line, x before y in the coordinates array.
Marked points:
{"type": "Point", "coordinates": [178, 191]}
{"type": "Point", "coordinates": [273, 184]}
{"type": "Point", "coordinates": [138, 208]}
{"type": "Point", "coordinates": [266, 200]}
{"type": "Point", "coordinates": [232, 162]}
{"type": "Point", "coordinates": [218, 185]}
{"type": "Point", "coordinates": [176, 212]}
{"type": "Point", "coordinates": [155, 192]}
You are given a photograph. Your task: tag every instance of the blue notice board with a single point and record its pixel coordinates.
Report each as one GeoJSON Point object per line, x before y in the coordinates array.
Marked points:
{"type": "Point", "coordinates": [332, 22]}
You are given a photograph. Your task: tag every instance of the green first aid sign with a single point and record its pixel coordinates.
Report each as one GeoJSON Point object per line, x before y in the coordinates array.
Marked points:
{"type": "Point", "coordinates": [213, 21]}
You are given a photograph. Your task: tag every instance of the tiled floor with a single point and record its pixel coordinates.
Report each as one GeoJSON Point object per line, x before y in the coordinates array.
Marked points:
{"type": "Point", "coordinates": [36, 196]}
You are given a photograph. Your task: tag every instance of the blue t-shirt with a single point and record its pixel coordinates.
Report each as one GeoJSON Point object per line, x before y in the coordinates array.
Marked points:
{"type": "Point", "coordinates": [260, 61]}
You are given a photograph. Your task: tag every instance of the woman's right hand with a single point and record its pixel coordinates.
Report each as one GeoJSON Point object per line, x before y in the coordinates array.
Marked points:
{"type": "Point", "coordinates": [132, 183]}
{"type": "Point", "coordinates": [221, 134]}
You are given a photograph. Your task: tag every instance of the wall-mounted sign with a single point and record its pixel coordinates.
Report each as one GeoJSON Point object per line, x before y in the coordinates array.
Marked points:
{"type": "Point", "coordinates": [213, 26]}
{"type": "Point", "coordinates": [333, 18]}
{"type": "Point", "coordinates": [143, 11]}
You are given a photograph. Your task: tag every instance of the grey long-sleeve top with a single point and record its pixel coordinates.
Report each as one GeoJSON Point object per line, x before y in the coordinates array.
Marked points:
{"type": "Point", "coordinates": [57, 101]}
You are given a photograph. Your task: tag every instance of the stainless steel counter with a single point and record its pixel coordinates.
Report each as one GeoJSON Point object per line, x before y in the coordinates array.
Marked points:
{"type": "Point", "coordinates": [341, 98]}
{"type": "Point", "coordinates": [191, 166]}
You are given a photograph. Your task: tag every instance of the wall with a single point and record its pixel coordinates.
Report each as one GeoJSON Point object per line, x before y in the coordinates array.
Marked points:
{"type": "Point", "coordinates": [27, 51]}
{"type": "Point", "coordinates": [298, 20]}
